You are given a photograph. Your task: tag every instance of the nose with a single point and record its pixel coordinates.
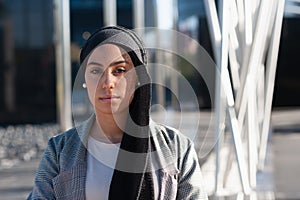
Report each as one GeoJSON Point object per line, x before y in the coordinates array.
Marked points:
{"type": "Point", "coordinates": [107, 80]}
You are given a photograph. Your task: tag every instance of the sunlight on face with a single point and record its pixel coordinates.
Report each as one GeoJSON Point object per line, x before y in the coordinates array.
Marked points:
{"type": "Point", "coordinates": [110, 79]}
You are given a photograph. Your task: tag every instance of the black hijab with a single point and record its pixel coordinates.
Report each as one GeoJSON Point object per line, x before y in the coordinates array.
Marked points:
{"type": "Point", "coordinates": [131, 178]}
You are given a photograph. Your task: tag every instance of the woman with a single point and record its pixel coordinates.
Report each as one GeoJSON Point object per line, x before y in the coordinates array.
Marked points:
{"type": "Point", "coordinates": [118, 153]}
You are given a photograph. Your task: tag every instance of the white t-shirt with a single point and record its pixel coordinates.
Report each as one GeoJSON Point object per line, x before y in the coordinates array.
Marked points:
{"type": "Point", "coordinates": [101, 160]}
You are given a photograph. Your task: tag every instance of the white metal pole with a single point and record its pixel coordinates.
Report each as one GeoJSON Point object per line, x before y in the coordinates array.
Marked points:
{"type": "Point", "coordinates": [214, 28]}
{"type": "Point", "coordinates": [234, 46]}
{"type": "Point", "coordinates": [139, 17]}
{"type": "Point", "coordinates": [256, 55]}
{"type": "Point", "coordinates": [139, 13]}
{"type": "Point", "coordinates": [225, 84]}
{"type": "Point", "coordinates": [234, 126]}
{"type": "Point", "coordinates": [256, 59]}
{"type": "Point", "coordinates": [174, 79]}
{"type": "Point", "coordinates": [247, 44]}
{"type": "Point", "coordinates": [159, 74]}
{"type": "Point", "coordinates": [215, 33]}
{"type": "Point", "coordinates": [253, 131]}
{"type": "Point", "coordinates": [270, 80]}
{"type": "Point", "coordinates": [110, 12]}
{"type": "Point", "coordinates": [63, 63]}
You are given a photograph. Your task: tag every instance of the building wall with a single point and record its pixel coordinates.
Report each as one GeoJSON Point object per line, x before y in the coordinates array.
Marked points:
{"type": "Point", "coordinates": [27, 61]}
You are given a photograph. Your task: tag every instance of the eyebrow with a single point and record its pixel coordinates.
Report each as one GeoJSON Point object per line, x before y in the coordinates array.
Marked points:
{"type": "Point", "coordinates": [119, 62]}
{"type": "Point", "coordinates": [95, 63]}
{"type": "Point", "coordinates": [112, 64]}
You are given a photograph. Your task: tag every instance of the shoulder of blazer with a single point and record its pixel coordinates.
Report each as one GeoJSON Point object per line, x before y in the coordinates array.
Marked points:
{"type": "Point", "coordinates": [72, 139]}
{"type": "Point", "coordinates": [68, 148]}
{"type": "Point", "coordinates": [169, 146]}
{"type": "Point", "coordinates": [169, 136]}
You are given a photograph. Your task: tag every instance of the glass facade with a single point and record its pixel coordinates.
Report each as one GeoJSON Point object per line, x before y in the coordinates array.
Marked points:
{"type": "Point", "coordinates": [27, 91]}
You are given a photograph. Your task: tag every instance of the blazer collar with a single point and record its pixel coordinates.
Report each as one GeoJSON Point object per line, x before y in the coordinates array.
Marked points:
{"type": "Point", "coordinates": [84, 128]}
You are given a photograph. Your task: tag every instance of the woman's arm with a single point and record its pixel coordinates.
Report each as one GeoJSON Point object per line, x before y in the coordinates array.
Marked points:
{"type": "Point", "coordinates": [190, 184]}
{"type": "Point", "coordinates": [47, 170]}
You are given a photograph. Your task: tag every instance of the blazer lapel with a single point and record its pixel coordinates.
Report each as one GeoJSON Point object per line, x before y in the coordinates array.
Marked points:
{"type": "Point", "coordinates": [70, 183]}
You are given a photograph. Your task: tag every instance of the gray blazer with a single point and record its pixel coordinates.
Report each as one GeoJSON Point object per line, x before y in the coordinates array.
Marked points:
{"type": "Point", "coordinates": [62, 170]}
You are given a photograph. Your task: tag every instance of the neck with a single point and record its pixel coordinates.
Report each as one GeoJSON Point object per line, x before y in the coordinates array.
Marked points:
{"type": "Point", "coordinates": [110, 127]}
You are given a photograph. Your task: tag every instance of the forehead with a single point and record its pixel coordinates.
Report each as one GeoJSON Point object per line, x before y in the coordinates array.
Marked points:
{"type": "Point", "coordinates": [108, 53]}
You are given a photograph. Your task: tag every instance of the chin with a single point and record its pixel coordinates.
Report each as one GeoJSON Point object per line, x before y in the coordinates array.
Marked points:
{"type": "Point", "coordinates": [110, 110]}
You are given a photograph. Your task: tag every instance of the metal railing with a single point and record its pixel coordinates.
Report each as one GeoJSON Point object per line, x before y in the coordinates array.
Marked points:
{"type": "Point", "coordinates": [247, 34]}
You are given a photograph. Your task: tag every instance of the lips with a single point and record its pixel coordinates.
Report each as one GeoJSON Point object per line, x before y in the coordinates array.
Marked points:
{"type": "Point", "coordinates": [109, 98]}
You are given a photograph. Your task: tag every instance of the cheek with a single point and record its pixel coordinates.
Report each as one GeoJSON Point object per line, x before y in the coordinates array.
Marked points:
{"type": "Point", "coordinates": [131, 91]}
{"type": "Point", "coordinates": [91, 84]}
{"type": "Point", "coordinates": [131, 80]}
{"type": "Point", "coordinates": [129, 84]}
{"type": "Point", "coordinates": [126, 89]}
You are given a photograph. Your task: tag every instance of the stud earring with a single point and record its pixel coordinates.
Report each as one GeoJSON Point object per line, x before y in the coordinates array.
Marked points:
{"type": "Point", "coordinates": [137, 84]}
{"type": "Point", "coordinates": [84, 85]}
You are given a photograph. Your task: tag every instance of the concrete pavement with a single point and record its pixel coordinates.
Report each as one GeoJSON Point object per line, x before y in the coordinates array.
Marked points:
{"type": "Point", "coordinates": [286, 162]}
{"type": "Point", "coordinates": [16, 182]}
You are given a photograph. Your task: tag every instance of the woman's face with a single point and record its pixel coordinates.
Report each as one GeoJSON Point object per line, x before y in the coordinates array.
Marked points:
{"type": "Point", "coordinates": [110, 79]}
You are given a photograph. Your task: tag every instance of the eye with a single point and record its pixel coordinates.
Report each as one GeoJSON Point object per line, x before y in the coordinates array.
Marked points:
{"type": "Point", "coordinates": [95, 71]}
{"type": "Point", "coordinates": [119, 70]}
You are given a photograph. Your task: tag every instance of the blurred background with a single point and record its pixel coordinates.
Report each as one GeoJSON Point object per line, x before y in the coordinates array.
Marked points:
{"type": "Point", "coordinates": [40, 43]}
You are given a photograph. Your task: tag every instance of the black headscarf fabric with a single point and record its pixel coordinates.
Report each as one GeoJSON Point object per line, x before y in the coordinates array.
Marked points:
{"type": "Point", "coordinates": [128, 183]}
